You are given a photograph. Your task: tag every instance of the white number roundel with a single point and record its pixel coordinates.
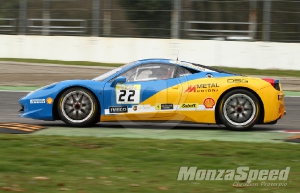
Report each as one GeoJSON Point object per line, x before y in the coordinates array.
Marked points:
{"type": "Point", "coordinates": [128, 94]}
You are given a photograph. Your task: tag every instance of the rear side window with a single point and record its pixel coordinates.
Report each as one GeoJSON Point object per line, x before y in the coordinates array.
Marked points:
{"type": "Point", "coordinates": [181, 71]}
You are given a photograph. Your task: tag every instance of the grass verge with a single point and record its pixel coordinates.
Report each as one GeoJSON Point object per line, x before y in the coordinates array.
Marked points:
{"type": "Point", "coordinates": [90, 164]}
{"type": "Point", "coordinates": [245, 71]}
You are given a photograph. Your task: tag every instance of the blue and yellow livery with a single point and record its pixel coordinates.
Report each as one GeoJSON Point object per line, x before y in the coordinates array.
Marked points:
{"type": "Point", "coordinates": [160, 90]}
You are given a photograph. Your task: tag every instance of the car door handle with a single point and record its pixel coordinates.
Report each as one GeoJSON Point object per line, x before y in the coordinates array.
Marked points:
{"type": "Point", "coordinates": [175, 87]}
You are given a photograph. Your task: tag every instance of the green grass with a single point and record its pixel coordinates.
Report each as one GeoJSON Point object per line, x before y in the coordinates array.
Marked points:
{"type": "Point", "coordinates": [244, 71]}
{"type": "Point", "coordinates": [90, 164]}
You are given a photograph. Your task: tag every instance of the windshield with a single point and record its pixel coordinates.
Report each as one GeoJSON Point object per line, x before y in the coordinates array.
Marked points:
{"type": "Point", "coordinates": [109, 73]}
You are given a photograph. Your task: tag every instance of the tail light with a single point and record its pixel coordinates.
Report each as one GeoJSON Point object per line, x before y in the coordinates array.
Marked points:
{"type": "Point", "coordinates": [273, 82]}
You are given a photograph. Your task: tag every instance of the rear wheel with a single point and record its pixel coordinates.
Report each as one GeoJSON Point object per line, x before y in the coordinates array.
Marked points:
{"type": "Point", "coordinates": [239, 110]}
{"type": "Point", "coordinates": [78, 107]}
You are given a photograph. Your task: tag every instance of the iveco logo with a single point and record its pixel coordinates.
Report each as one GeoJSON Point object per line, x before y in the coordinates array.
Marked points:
{"type": "Point", "coordinates": [118, 109]}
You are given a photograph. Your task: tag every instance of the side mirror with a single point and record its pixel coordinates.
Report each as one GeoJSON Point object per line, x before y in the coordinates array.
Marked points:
{"type": "Point", "coordinates": [119, 80]}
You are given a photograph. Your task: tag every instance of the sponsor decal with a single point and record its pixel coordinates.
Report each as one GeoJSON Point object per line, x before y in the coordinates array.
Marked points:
{"type": "Point", "coordinates": [123, 109]}
{"type": "Point", "coordinates": [191, 89]}
{"type": "Point", "coordinates": [49, 100]}
{"type": "Point", "coordinates": [184, 74]}
{"type": "Point", "coordinates": [142, 107]}
{"type": "Point", "coordinates": [237, 80]}
{"type": "Point", "coordinates": [37, 101]}
{"type": "Point", "coordinates": [210, 87]}
{"type": "Point", "coordinates": [163, 106]}
{"type": "Point", "coordinates": [188, 105]}
{"type": "Point", "coordinates": [128, 87]}
{"type": "Point", "coordinates": [208, 90]}
{"type": "Point", "coordinates": [242, 175]}
{"type": "Point", "coordinates": [134, 108]}
{"type": "Point", "coordinates": [209, 103]}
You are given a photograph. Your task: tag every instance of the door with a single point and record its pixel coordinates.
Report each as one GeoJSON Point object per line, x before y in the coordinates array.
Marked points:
{"type": "Point", "coordinates": [151, 91]}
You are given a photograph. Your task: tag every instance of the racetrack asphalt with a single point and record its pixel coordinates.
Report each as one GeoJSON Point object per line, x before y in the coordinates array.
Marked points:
{"type": "Point", "coordinates": [27, 77]}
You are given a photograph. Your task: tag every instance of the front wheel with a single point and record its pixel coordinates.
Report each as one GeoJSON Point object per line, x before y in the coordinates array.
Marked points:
{"type": "Point", "coordinates": [78, 107]}
{"type": "Point", "coordinates": [239, 110]}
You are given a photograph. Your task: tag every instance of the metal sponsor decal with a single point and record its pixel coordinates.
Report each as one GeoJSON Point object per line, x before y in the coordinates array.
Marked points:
{"type": "Point", "coordinates": [123, 109]}
{"type": "Point", "coordinates": [37, 101]}
{"type": "Point", "coordinates": [209, 103]}
{"type": "Point", "coordinates": [163, 106]}
{"type": "Point", "coordinates": [210, 87]}
{"type": "Point", "coordinates": [188, 105]}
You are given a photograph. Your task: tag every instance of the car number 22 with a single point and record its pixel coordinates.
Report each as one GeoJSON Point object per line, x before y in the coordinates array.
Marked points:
{"type": "Point", "coordinates": [128, 94]}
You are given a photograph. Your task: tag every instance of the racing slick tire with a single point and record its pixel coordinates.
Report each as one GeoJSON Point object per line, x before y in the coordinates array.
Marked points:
{"type": "Point", "coordinates": [78, 107]}
{"type": "Point", "coordinates": [239, 110]}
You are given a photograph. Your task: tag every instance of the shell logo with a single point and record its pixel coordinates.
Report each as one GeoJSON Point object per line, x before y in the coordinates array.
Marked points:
{"type": "Point", "coordinates": [209, 103]}
{"type": "Point", "coordinates": [49, 100]}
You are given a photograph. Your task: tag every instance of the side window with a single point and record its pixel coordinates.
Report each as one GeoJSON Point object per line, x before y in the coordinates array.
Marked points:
{"type": "Point", "coordinates": [150, 72]}
{"type": "Point", "coordinates": [183, 72]}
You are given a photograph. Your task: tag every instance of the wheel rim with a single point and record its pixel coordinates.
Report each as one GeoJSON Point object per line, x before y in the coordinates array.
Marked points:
{"type": "Point", "coordinates": [239, 109]}
{"type": "Point", "coordinates": [77, 106]}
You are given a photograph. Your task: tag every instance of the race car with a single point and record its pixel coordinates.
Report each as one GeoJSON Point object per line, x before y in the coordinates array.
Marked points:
{"type": "Point", "coordinates": [160, 90]}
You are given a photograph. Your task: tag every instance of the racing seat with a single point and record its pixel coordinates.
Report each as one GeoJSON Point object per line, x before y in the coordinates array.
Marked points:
{"type": "Point", "coordinates": [168, 75]}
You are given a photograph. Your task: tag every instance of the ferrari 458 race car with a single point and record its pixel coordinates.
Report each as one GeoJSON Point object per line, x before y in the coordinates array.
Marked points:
{"type": "Point", "coordinates": [160, 90]}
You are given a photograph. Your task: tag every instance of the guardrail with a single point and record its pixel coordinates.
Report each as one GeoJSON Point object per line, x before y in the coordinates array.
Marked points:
{"type": "Point", "coordinates": [48, 26]}
{"type": "Point", "coordinates": [7, 24]}
{"type": "Point", "coordinates": [198, 30]}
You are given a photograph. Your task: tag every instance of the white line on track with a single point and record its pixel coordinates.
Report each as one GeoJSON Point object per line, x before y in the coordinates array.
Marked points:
{"type": "Point", "coordinates": [292, 96]}
{"type": "Point", "coordinates": [56, 65]}
{"type": "Point", "coordinates": [14, 91]}
{"type": "Point", "coordinates": [285, 131]}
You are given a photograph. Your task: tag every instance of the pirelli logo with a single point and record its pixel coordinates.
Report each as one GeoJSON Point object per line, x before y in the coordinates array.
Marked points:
{"type": "Point", "coordinates": [188, 105]}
